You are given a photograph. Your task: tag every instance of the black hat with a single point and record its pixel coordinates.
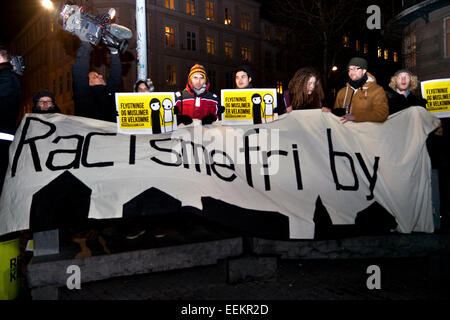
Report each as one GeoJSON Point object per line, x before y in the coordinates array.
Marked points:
{"type": "Point", "coordinates": [43, 93]}
{"type": "Point", "coordinates": [246, 69]}
{"type": "Point", "coordinates": [359, 62]}
{"type": "Point", "coordinates": [403, 70]}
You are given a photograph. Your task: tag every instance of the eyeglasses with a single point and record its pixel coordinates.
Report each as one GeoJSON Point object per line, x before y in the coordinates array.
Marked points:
{"type": "Point", "coordinates": [45, 101]}
{"type": "Point", "coordinates": [354, 69]}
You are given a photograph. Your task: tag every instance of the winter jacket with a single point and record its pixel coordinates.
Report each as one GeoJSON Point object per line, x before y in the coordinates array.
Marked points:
{"type": "Point", "coordinates": [10, 98]}
{"type": "Point", "coordinates": [368, 103]}
{"type": "Point", "coordinates": [97, 102]}
{"type": "Point", "coordinates": [398, 101]}
{"type": "Point", "coordinates": [190, 104]}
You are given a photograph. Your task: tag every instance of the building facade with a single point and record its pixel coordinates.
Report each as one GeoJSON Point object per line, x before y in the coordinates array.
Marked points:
{"type": "Point", "coordinates": [219, 34]}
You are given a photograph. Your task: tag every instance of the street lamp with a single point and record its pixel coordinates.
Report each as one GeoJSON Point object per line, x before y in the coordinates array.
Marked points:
{"type": "Point", "coordinates": [48, 4]}
{"type": "Point", "coordinates": [334, 68]}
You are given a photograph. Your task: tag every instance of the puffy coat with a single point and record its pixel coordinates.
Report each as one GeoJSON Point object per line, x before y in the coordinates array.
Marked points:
{"type": "Point", "coordinates": [368, 103]}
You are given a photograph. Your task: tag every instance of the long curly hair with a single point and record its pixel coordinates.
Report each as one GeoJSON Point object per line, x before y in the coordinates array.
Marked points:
{"type": "Point", "coordinates": [298, 90]}
{"type": "Point", "coordinates": [413, 85]}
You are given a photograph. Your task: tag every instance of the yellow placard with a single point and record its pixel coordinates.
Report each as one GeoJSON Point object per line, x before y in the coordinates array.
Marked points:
{"type": "Point", "coordinates": [437, 93]}
{"type": "Point", "coordinates": [147, 113]}
{"type": "Point", "coordinates": [9, 269]}
{"type": "Point", "coordinates": [248, 106]}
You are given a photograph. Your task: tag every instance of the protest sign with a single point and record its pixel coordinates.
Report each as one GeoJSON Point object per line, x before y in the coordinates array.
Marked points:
{"type": "Point", "coordinates": [145, 113]}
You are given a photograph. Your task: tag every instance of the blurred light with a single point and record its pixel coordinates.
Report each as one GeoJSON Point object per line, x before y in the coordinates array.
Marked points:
{"type": "Point", "coordinates": [112, 13]}
{"type": "Point", "coordinates": [48, 4]}
{"type": "Point", "coordinates": [334, 68]}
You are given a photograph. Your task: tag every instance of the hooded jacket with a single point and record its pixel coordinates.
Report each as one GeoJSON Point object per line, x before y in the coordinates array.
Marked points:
{"type": "Point", "coordinates": [196, 106]}
{"type": "Point", "coordinates": [367, 103]}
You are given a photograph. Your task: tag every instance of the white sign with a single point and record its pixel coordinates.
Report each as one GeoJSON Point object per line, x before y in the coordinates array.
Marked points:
{"type": "Point", "coordinates": [281, 167]}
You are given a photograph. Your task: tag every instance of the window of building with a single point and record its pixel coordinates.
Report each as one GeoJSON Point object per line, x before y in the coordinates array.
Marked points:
{"type": "Point", "coordinates": [170, 36]}
{"type": "Point", "coordinates": [245, 21]}
{"type": "Point", "coordinates": [395, 56]}
{"type": "Point", "coordinates": [346, 42]}
{"type": "Point", "coordinates": [366, 48]}
{"type": "Point", "coordinates": [267, 33]}
{"type": "Point", "coordinates": [212, 79]}
{"type": "Point", "coordinates": [209, 7]}
{"type": "Point", "coordinates": [386, 54]}
{"type": "Point", "coordinates": [246, 54]}
{"type": "Point", "coordinates": [191, 41]}
{"type": "Point", "coordinates": [171, 75]}
{"type": "Point", "coordinates": [278, 35]}
{"type": "Point", "coordinates": [170, 4]}
{"type": "Point", "coordinates": [190, 7]}
{"type": "Point", "coordinates": [229, 49]}
{"type": "Point", "coordinates": [410, 50]}
{"type": "Point", "coordinates": [357, 45]}
{"type": "Point", "coordinates": [279, 87]}
{"type": "Point", "coordinates": [447, 36]}
{"type": "Point", "coordinates": [227, 16]}
{"type": "Point", "coordinates": [210, 45]}
{"type": "Point", "coordinates": [379, 52]}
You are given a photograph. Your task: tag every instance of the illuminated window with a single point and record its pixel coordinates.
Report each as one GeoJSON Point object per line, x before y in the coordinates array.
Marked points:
{"type": "Point", "coordinates": [209, 6]}
{"type": "Point", "coordinates": [229, 49]}
{"type": "Point", "coordinates": [279, 87]}
{"type": "Point", "coordinates": [267, 33]}
{"type": "Point", "coordinates": [190, 7]}
{"type": "Point", "coordinates": [366, 48]}
{"type": "Point", "coordinates": [227, 16]}
{"type": "Point", "coordinates": [379, 52]}
{"type": "Point", "coordinates": [170, 36]}
{"type": "Point", "coordinates": [170, 5]}
{"type": "Point", "coordinates": [245, 21]}
{"type": "Point", "coordinates": [210, 45]}
{"type": "Point", "coordinates": [278, 36]}
{"type": "Point", "coordinates": [191, 41]}
{"type": "Point", "coordinates": [447, 36]}
{"type": "Point", "coordinates": [357, 45]}
{"type": "Point", "coordinates": [171, 75]}
{"type": "Point", "coordinates": [346, 42]}
{"type": "Point", "coordinates": [386, 54]}
{"type": "Point", "coordinates": [246, 53]}
{"type": "Point", "coordinates": [395, 56]}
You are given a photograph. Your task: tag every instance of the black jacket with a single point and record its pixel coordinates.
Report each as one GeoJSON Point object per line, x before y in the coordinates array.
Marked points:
{"type": "Point", "coordinates": [10, 98]}
{"type": "Point", "coordinates": [97, 102]}
{"type": "Point", "coordinates": [398, 102]}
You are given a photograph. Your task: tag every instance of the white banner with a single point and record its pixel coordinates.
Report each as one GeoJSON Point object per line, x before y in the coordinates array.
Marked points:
{"type": "Point", "coordinates": [283, 166]}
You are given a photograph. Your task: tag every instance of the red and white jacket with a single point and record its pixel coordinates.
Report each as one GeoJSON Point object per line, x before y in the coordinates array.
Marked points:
{"type": "Point", "coordinates": [196, 106]}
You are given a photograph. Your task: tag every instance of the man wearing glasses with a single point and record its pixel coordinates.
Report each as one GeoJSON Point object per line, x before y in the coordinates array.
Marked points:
{"type": "Point", "coordinates": [362, 99]}
{"type": "Point", "coordinates": [44, 102]}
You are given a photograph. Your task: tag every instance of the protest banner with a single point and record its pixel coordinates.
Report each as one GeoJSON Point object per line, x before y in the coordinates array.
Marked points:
{"type": "Point", "coordinates": [145, 113]}
{"type": "Point", "coordinates": [265, 179]}
{"type": "Point", "coordinates": [248, 106]}
{"type": "Point", "coordinates": [437, 94]}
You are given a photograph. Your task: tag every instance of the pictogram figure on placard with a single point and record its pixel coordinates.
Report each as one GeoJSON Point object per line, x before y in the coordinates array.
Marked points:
{"type": "Point", "coordinates": [268, 107]}
{"type": "Point", "coordinates": [256, 108]}
{"type": "Point", "coordinates": [155, 105]}
{"type": "Point", "coordinates": [168, 114]}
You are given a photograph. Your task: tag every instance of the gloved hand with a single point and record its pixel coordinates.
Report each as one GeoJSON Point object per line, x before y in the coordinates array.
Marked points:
{"type": "Point", "coordinates": [208, 119]}
{"type": "Point", "coordinates": [338, 112]}
{"type": "Point", "coordinates": [113, 50]}
{"type": "Point", "coordinates": [220, 111]}
{"type": "Point", "coordinates": [183, 119]}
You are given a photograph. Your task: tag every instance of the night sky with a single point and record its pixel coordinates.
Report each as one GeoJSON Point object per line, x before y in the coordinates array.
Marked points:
{"type": "Point", "coordinates": [14, 14]}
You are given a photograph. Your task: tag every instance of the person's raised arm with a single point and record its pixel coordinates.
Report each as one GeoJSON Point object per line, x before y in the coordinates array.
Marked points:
{"type": "Point", "coordinates": [115, 71]}
{"type": "Point", "coordinates": [80, 69]}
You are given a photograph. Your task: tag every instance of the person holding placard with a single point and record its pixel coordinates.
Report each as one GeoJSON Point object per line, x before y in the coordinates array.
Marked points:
{"type": "Point", "coordinates": [195, 101]}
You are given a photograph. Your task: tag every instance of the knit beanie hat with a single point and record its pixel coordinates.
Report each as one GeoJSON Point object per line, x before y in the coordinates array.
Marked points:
{"type": "Point", "coordinates": [43, 93]}
{"type": "Point", "coordinates": [359, 62]}
{"type": "Point", "coordinates": [197, 68]}
{"type": "Point", "coordinates": [403, 70]}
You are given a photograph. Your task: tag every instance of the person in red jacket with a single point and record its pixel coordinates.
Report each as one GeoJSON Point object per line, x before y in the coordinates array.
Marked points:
{"type": "Point", "coordinates": [195, 101]}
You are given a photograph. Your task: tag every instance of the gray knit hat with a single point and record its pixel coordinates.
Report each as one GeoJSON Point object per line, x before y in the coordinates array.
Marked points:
{"type": "Point", "coordinates": [359, 62]}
